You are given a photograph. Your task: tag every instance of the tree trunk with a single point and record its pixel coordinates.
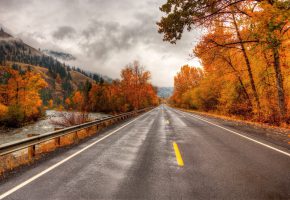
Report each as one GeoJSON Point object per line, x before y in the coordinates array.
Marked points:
{"type": "Point", "coordinates": [249, 69]}
{"type": "Point", "coordinates": [242, 84]}
{"type": "Point", "coordinates": [240, 81]}
{"type": "Point", "coordinates": [279, 83]}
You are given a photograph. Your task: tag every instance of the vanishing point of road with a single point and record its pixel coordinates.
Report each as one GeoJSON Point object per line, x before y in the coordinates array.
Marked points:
{"type": "Point", "coordinates": [162, 154]}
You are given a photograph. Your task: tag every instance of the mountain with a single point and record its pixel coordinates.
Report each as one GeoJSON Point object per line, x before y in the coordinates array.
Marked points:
{"type": "Point", "coordinates": [165, 92]}
{"type": "Point", "coordinates": [4, 34]}
{"type": "Point", "coordinates": [11, 46]}
{"type": "Point", "coordinates": [62, 79]}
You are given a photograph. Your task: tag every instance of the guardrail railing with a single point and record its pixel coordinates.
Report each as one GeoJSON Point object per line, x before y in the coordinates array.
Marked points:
{"type": "Point", "coordinates": [76, 133]}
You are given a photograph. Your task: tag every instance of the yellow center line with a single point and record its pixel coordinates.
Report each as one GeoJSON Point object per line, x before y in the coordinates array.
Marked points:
{"type": "Point", "coordinates": [178, 155]}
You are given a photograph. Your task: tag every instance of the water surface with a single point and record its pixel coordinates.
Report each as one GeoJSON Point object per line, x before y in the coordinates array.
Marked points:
{"type": "Point", "coordinates": [39, 127]}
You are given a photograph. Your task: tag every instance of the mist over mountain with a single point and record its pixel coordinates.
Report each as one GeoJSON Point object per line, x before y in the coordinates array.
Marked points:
{"type": "Point", "coordinates": [165, 92]}
{"type": "Point", "coordinates": [59, 55]}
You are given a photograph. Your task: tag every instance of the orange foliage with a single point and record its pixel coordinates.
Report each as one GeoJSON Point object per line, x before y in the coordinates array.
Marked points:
{"type": "Point", "coordinates": [133, 92]}
{"type": "Point", "coordinates": [78, 100]}
{"type": "Point", "coordinates": [67, 102]}
{"type": "Point", "coordinates": [187, 79]}
{"type": "Point", "coordinates": [136, 89]}
{"type": "Point", "coordinates": [21, 92]}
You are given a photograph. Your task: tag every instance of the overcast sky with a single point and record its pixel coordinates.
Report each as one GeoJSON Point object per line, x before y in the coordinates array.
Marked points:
{"type": "Point", "coordinates": [104, 35]}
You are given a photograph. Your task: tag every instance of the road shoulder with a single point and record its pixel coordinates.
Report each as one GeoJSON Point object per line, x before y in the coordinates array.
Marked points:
{"type": "Point", "coordinates": [275, 135]}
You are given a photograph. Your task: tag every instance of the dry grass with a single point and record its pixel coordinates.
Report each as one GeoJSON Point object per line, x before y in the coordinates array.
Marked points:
{"type": "Point", "coordinates": [79, 78]}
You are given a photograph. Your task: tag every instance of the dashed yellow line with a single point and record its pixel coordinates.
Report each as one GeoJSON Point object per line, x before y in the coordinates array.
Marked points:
{"type": "Point", "coordinates": [178, 155]}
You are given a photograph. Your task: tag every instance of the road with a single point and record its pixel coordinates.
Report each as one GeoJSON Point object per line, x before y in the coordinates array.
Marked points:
{"type": "Point", "coordinates": [137, 160]}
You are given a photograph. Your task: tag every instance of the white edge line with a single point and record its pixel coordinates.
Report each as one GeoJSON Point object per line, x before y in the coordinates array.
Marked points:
{"type": "Point", "coordinates": [248, 138]}
{"type": "Point", "coordinates": [14, 189]}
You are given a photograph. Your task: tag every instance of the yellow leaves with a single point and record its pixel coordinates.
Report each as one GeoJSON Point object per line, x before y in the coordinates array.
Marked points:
{"type": "Point", "coordinates": [50, 103]}
{"type": "Point", "coordinates": [3, 110]}
{"type": "Point", "coordinates": [34, 81]}
{"type": "Point", "coordinates": [185, 80]}
{"type": "Point", "coordinates": [22, 90]}
{"type": "Point", "coordinates": [60, 108]}
{"type": "Point", "coordinates": [270, 23]}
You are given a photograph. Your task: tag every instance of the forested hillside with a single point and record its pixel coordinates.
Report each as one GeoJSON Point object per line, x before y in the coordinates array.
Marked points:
{"type": "Point", "coordinates": [62, 79]}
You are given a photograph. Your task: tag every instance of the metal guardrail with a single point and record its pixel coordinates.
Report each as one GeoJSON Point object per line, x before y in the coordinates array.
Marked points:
{"type": "Point", "coordinates": [30, 142]}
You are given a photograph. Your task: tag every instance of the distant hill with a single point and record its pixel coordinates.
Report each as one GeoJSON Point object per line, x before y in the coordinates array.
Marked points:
{"type": "Point", "coordinates": [165, 92]}
{"type": "Point", "coordinates": [63, 80]}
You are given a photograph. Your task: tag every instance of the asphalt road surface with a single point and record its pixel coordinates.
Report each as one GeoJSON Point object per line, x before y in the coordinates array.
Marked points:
{"type": "Point", "coordinates": [162, 154]}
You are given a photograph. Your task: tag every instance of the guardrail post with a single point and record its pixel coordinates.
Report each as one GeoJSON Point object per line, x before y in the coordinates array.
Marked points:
{"type": "Point", "coordinates": [57, 141]}
{"type": "Point", "coordinates": [31, 152]}
{"type": "Point", "coordinates": [31, 149]}
{"type": "Point", "coordinates": [76, 138]}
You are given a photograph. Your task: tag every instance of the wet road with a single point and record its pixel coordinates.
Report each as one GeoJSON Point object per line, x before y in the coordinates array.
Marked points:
{"type": "Point", "coordinates": [137, 160]}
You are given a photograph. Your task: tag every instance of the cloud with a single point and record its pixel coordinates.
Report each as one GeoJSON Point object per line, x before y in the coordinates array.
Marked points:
{"type": "Point", "coordinates": [103, 39]}
{"type": "Point", "coordinates": [12, 4]}
{"type": "Point", "coordinates": [64, 32]}
{"type": "Point", "coordinates": [103, 35]}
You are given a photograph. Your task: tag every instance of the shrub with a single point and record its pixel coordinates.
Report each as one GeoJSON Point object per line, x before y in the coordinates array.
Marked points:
{"type": "Point", "coordinates": [66, 119]}
{"type": "Point", "coordinates": [14, 116]}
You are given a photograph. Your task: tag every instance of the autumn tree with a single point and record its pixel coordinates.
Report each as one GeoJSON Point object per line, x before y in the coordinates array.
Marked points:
{"type": "Point", "coordinates": [134, 80]}
{"type": "Point", "coordinates": [223, 61]}
{"type": "Point", "coordinates": [270, 27]}
{"type": "Point", "coordinates": [78, 101]}
{"type": "Point", "coordinates": [185, 81]}
{"type": "Point", "coordinates": [21, 93]}
{"type": "Point", "coordinates": [187, 78]}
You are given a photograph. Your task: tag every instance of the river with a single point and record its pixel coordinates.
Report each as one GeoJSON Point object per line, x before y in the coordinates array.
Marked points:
{"type": "Point", "coordinates": [40, 127]}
